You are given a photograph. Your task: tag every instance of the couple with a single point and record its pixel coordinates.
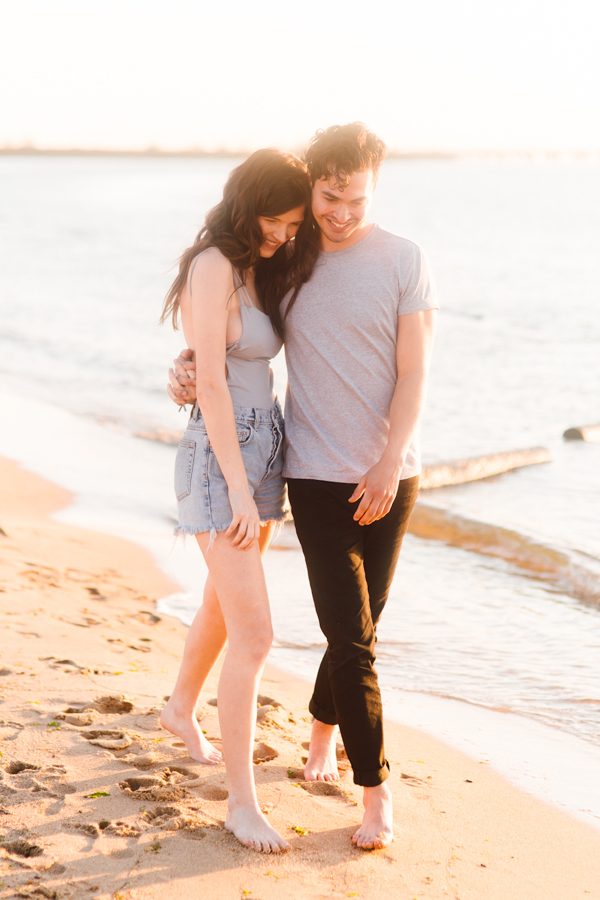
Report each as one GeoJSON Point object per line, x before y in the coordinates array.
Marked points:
{"type": "Point", "coordinates": [290, 254]}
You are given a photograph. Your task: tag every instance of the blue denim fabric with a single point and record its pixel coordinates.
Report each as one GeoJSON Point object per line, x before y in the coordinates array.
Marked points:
{"type": "Point", "coordinates": [200, 487]}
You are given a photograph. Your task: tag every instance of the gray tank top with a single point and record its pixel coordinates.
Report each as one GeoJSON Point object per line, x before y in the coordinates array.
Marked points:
{"type": "Point", "coordinates": [249, 374]}
{"type": "Point", "coordinates": [248, 370]}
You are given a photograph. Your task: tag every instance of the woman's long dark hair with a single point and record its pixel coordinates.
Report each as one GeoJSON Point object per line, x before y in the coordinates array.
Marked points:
{"type": "Point", "coordinates": [268, 183]}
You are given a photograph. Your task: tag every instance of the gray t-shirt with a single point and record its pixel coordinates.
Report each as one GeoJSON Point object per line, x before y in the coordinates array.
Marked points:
{"type": "Point", "coordinates": [340, 350]}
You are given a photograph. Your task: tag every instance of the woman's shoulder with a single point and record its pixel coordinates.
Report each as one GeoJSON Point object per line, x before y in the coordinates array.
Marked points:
{"type": "Point", "coordinates": [210, 266]}
{"type": "Point", "coordinates": [212, 259]}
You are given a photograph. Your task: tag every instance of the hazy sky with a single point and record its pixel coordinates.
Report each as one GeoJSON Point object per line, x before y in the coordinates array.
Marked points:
{"type": "Point", "coordinates": [429, 74]}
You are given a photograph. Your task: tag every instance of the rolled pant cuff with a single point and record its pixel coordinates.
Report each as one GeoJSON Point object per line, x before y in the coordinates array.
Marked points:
{"type": "Point", "coordinates": [372, 777]}
{"type": "Point", "coordinates": [327, 717]}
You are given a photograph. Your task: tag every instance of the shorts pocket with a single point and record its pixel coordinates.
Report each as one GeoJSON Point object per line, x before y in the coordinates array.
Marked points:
{"type": "Point", "coordinates": [244, 433]}
{"type": "Point", "coordinates": [184, 466]}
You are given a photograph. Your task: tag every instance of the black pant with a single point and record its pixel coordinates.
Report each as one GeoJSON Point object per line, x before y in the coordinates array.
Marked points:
{"type": "Point", "coordinates": [350, 567]}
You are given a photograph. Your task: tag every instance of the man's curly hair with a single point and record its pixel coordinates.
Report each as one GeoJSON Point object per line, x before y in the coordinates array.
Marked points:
{"type": "Point", "coordinates": [341, 150]}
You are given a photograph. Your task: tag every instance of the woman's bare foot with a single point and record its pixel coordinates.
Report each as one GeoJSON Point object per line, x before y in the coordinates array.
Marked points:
{"type": "Point", "coordinates": [250, 827]}
{"type": "Point", "coordinates": [321, 764]}
{"type": "Point", "coordinates": [186, 727]}
{"type": "Point", "coordinates": [377, 829]}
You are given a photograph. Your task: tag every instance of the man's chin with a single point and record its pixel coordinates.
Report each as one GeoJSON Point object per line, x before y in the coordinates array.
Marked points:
{"type": "Point", "coordinates": [338, 237]}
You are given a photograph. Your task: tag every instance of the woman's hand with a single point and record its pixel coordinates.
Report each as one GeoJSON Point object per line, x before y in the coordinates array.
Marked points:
{"type": "Point", "coordinates": [245, 526]}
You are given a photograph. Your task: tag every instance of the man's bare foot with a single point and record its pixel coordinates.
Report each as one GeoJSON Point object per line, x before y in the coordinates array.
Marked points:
{"type": "Point", "coordinates": [186, 727]}
{"type": "Point", "coordinates": [377, 829]}
{"type": "Point", "coordinates": [250, 827]}
{"type": "Point", "coordinates": [321, 764]}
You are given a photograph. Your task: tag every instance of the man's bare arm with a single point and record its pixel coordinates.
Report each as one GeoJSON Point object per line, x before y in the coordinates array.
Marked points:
{"type": "Point", "coordinates": [182, 379]}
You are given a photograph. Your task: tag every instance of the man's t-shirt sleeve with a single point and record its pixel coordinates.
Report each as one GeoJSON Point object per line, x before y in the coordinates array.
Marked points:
{"type": "Point", "coordinates": [417, 289]}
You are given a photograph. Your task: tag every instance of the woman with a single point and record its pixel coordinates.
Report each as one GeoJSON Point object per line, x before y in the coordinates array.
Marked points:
{"type": "Point", "coordinates": [255, 245]}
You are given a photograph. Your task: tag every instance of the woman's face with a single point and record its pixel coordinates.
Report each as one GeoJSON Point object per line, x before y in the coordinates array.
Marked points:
{"type": "Point", "coordinates": [278, 230]}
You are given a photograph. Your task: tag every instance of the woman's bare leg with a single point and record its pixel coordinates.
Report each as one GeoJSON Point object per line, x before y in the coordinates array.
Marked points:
{"type": "Point", "coordinates": [239, 581]}
{"type": "Point", "coordinates": [204, 643]}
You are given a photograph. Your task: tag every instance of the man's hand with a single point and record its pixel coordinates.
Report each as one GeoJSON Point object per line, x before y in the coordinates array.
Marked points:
{"type": "Point", "coordinates": [182, 379]}
{"type": "Point", "coordinates": [378, 489]}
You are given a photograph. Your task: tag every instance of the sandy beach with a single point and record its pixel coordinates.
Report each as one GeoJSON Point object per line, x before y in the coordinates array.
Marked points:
{"type": "Point", "coordinates": [96, 800]}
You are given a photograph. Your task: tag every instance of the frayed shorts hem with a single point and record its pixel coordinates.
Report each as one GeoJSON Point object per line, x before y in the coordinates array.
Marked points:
{"type": "Point", "coordinates": [278, 519]}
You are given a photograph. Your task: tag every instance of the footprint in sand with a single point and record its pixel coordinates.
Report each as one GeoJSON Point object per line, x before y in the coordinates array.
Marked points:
{"type": "Point", "coordinates": [148, 618]}
{"type": "Point", "coordinates": [327, 789]}
{"type": "Point", "coordinates": [113, 703]}
{"type": "Point", "coordinates": [109, 739]}
{"type": "Point", "coordinates": [263, 753]}
{"type": "Point", "coordinates": [140, 648]}
{"type": "Point", "coordinates": [271, 717]}
{"type": "Point", "coordinates": [143, 761]}
{"type": "Point", "coordinates": [54, 781]}
{"type": "Point", "coordinates": [150, 788]}
{"type": "Point", "coordinates": [22, 848]}
{"type": "Point", "coordinates": [41, 575]}
{"type": "Point", "coordinates": [149, 721]}
{"type": "Point", "coordinates": [212, 792]}
{"type": "Point", "coordinates": [86, 714]}
{"type": "Point", "coordinates": [68, 665]}
{"type": "Point", "coordinates": [167, 785]}
{"type": "Point", "coordinates": [50, 780]}
{"type": "Point", "coordinates": [161, 814]}
{"type": "Point", "coordinates": [119, 829]}
{"type": "Point", "coordinates": [172, 818]}
{"type": "Point", "coordinates": [10, 731]}
{"type": "Point", "coordinates": [17, 766]}
{"type": "Point", "coordinates": [263, 700]}
{"type": "Point", "coordinates": [72, 716]}
{"type": "Point", "coordinates": [412, 779]}
{"type": "Point", "coordinates": [88, 828]}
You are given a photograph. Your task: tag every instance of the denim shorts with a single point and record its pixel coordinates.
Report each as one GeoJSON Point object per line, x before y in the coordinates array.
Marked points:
{"type": "Point", "coordinates": [200, 487]}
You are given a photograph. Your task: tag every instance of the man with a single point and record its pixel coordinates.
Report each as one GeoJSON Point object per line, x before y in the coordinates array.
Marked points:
{"type": "Point", "coordinates": [358, 343]}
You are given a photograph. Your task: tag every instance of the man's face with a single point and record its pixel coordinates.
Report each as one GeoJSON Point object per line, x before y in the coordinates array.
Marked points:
{"type": "Point", "coordinates": [340, 210]}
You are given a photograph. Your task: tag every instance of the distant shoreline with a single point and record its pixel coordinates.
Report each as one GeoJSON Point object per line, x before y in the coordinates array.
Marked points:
{"type": "Point", "coordinates": [199, 153]}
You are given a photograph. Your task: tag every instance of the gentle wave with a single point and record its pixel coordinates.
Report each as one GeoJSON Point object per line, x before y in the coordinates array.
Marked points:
{"type": "Point", "coordinates": [576, 574]}
{"type": "Point", "coordinates": [558, 566]}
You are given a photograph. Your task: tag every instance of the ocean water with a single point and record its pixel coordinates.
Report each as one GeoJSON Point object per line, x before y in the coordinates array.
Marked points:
{"type": "Point", "coordinates": [491, 637]}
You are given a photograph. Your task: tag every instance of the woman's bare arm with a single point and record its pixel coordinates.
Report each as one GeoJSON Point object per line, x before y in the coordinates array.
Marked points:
{"type": "Point", "coordinates": [205, 310]}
